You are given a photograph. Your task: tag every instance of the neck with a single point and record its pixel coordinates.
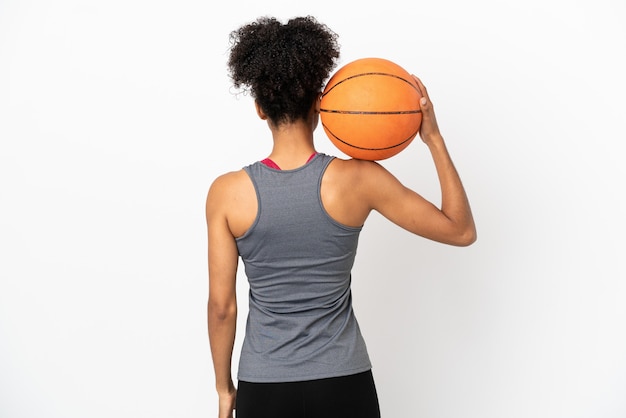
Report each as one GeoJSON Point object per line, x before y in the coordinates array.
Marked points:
{"type": "Point", "coordinates": [293, 144]}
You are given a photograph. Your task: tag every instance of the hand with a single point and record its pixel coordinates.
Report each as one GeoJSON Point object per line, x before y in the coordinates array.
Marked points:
{"type": "Point", "coordinates": [227, 404]}
{"type": "Point", "coordinates": [429, 128]}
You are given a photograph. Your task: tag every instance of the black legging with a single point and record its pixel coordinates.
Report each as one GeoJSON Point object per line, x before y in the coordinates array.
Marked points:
{"type": "Point", "coordinates": [351, 396]}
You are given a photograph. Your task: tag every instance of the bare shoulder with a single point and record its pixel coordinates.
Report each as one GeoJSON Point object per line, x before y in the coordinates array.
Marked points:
{"type": "Point", "coordinates": [350, 188]}
{"type": "Point", "coordinates": [361, 174]}
{"type": "Point", "coordinates": [353, 163]}
{"type": "Point", "coordinates": [232, 198]}
{"type": "Point", "coordinates": [229, 184]}
{"type": "Point", "coordinates": [230, 177]}
{"type": "Point", "coordinates": [354, 169]}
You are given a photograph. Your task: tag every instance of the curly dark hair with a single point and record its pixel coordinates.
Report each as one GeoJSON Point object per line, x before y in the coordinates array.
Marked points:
{"type": "Point", "coordinates": [283, 66]}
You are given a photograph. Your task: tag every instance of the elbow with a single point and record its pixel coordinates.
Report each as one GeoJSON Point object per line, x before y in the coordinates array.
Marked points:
{"type": "Point", "coordinates": [221, 311]}
{"type": "Point", "coordinates": [466, 237]}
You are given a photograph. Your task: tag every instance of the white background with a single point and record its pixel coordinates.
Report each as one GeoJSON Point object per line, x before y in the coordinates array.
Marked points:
{"type": "Point", "coordinates": [115, 116]}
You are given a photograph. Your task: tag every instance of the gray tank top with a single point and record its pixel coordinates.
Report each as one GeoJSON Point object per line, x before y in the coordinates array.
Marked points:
{"type": "Point", "coordinates": [298, 261]}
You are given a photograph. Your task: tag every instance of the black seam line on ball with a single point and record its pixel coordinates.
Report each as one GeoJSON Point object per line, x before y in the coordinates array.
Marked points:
{"type": "Point", "coordinates": [373, 149]}
{"type": "Point", "coordinates": [368, 112]}
{"type": "Point", "coordinates": [371, 73]}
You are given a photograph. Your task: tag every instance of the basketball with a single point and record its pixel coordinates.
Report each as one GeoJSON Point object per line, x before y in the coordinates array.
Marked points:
{"type": "Point", "coordinates": [370, 109]}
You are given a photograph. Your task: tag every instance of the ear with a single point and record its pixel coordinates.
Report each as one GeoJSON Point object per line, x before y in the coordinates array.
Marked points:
{"type": "Point", "coordinates": [260, 111]}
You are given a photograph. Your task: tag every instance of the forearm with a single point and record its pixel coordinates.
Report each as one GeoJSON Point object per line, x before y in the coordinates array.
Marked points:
{"type": "Point", "coordinates": [454, 202]}
{"type": "Point", "coordinates": [222, 325]}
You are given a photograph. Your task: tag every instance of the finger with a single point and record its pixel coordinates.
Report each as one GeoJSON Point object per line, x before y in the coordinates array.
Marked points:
{"type": "Point", "coordinates": [425, 105]}
{"type": "Point", "coordinates": [420, 86]}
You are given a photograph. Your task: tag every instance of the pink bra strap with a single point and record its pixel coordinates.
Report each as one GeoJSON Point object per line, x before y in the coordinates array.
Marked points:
{"type": "Point", "coordinates": [270, 163]}
{"type": "Point", "coordinates": [275, 166]}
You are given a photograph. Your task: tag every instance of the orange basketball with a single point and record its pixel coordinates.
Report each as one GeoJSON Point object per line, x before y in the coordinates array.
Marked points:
{"type": "Point", "coordinates": [370, 109]}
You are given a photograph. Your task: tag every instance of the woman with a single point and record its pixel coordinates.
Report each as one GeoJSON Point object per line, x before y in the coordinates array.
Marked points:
{"type": "Point", "coordinates": [294, 218]}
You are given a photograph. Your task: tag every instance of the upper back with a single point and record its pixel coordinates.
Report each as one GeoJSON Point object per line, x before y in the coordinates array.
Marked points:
{"type": "Point", "coordinates": [340, 190]}
{"type": "Point", "coordinates": [300, 195]}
